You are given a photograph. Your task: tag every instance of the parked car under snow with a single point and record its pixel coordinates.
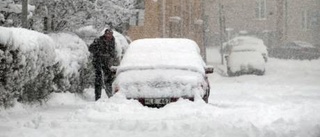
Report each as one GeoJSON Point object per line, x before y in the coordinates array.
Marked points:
{"type": "Point", "coordinates": [159, 71]}
{"type": "Point", "coordinates": [295, 50]}
{"type": "Point", "coordinates": [245, 55]}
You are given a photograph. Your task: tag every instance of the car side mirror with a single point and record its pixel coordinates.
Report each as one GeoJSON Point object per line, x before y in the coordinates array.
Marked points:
{"type": "Point", "coordinates": [209, 69]}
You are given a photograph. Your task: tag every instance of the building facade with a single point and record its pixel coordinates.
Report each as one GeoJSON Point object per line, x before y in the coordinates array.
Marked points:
{"type": "Point", "coordinates": [275, 21]}
{"type": "Point", "coordinates": [169, 19]}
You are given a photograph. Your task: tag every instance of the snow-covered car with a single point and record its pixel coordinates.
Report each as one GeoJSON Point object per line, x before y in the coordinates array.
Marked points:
{"type": "Point", "coordinates": [296, 50]}
{"type": "Point", "coordinates": [247, 42]}
{"type": "Point", "coordinates": [161, 70]}
{"type": "Point", "coordinates": [245, 55]}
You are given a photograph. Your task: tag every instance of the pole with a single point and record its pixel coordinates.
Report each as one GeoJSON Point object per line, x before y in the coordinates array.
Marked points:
{"type": "Point", "coordinates": [24, 19]}
{"type": "Point", "coordinates": [280, 22]}
{"type": "Point", "coordinates": [222, 29]}
{"type": "Point", "coordinates": [164, 18]}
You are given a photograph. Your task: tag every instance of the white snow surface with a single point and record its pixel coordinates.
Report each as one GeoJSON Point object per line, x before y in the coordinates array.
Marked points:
{"type": "Point", "coordinates": [285, 102]}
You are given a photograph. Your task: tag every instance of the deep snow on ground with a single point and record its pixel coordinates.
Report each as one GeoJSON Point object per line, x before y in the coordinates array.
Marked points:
{"type": "Point", "coordinates": [285, 102]}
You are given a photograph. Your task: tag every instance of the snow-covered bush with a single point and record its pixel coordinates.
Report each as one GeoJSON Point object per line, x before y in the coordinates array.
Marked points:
{"type": "Point", "coordinates": [72, 58]}
{"type": "Point", "coordinates": [26, 58]}
{"type": "Point", "coordinates": [33, 65]}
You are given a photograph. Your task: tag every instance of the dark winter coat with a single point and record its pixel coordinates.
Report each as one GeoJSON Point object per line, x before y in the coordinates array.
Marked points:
{"type": "Point", "coordinates": [104, 51]}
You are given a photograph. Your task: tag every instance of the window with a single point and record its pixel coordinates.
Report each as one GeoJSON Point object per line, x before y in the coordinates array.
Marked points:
{"type": "Point", "coordinates": [141, 18]}
{"type": "Point", "coordinates": [175, 30]}
{"type": "Point", "coordinates": [261, 9]}
{"type": "Point", "coordinates": [137, 19]}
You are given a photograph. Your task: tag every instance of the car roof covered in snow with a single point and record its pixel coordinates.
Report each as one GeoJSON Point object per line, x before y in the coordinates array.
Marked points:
{"type": "Point", "coordinates": [163, 53]}
{"type": "Point", "coordinates": [246, 42]}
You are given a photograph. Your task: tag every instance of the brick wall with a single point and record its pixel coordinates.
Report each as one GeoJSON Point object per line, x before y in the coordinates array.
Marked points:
{"type": "Point", "coordinates": [181, 18]}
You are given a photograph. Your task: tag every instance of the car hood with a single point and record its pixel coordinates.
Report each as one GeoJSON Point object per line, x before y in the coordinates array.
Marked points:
{"type": "Point", "coordinates": [159, 83]}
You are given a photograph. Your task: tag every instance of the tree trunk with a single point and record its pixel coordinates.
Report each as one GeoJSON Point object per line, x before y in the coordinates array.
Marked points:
{"type": "Point", "coordinates": [24, 19]}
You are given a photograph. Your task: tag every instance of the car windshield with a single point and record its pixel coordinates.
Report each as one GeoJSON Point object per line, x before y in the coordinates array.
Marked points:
{"type": "Point", "coordinates": [247, 47]}
{"type": "Point", "coordinates": [245, 43]}
{"type": "Point", "coordinates": [244, 50]}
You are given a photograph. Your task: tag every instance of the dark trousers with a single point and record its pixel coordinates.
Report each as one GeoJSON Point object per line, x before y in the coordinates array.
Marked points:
{"type": "Point", "coordinates": [101, 67]}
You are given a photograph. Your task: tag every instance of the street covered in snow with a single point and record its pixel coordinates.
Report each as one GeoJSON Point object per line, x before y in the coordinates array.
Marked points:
{"type": "Point", "coordinates": [285, 102]}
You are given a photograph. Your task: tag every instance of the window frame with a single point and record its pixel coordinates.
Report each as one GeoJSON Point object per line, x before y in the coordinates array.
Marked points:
{"type": "Point", "coordinates": [261, 10]}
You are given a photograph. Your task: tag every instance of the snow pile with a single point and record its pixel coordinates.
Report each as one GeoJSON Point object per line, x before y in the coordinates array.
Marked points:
{"type": "Point", "coordinates": [67, 98]}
